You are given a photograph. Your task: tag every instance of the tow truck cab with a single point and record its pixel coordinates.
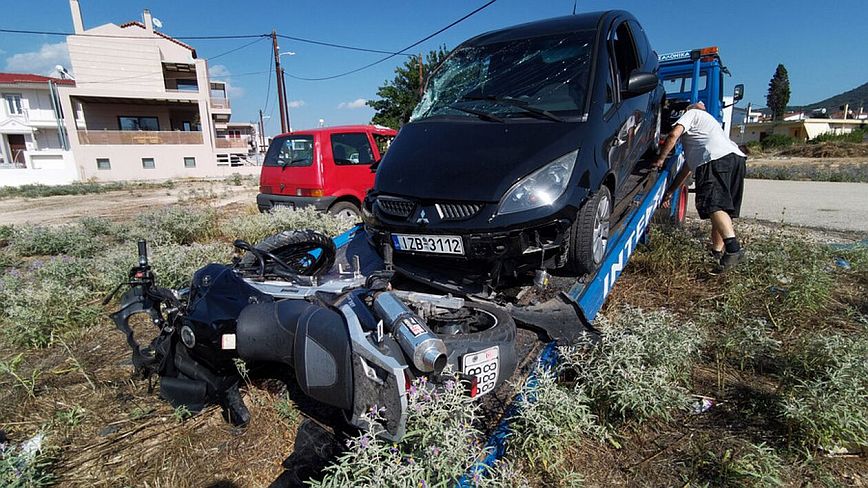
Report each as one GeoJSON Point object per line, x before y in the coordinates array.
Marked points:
{"type": "Point", "coordinates": [679, 69]}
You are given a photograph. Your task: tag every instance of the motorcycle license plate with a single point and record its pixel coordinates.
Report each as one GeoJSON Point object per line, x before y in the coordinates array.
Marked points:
{"type": "Point", "coordinates": [485, 365]}
{"type": "Point", "coordinates": [428, 243]}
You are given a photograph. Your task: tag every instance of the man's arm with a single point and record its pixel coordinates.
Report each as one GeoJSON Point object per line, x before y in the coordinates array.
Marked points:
{"type": "Point", "coordinates": [669, 145]}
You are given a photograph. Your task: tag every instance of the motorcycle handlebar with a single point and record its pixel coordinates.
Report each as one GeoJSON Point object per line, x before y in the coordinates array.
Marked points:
{"type": "Point", "coordinates": [143, 252]}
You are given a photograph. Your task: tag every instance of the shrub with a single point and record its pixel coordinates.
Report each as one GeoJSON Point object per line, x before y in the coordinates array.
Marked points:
{"type": "Point", "coordinates": [640, 367]}
{"type": "Point", "coordinates": [440, 444]}
{"type": "Point", "coordinates": [856, 136]}
{"type": "Point", "coordinates": [254, 228]}
{"type": "Point", "coordinates": [825, 390]}
{"type": "Point", "coordinates": [672, 256]}
{"type": "Point", "coordinates": [551, 418]}
{"type": "Point", "coordinates": [6, 232]}
{"type": "Point", "coordinates": [177, 225]}
{"type": "Point", "coordinates": [773, 141]}
{"type": "Point", "coordinates": [30, 240]}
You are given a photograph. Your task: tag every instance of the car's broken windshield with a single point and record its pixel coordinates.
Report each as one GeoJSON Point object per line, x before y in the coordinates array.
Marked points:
{"type": "Point", "coordinates": [290, 151]}
{"type": "Point", "coordinates": [548, 73]}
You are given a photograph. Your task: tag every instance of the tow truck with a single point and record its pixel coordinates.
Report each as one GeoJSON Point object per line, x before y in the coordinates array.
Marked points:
{"type": "Point", "coordinates": [355, 335]}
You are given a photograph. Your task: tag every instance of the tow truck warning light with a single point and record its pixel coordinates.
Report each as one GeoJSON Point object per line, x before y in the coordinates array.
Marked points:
{"type": "Point", "coordinates": [677, 55]}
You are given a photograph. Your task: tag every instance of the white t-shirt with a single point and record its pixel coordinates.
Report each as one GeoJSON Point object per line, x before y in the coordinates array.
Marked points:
{"type": "Point", "coordinates": [703, 139]}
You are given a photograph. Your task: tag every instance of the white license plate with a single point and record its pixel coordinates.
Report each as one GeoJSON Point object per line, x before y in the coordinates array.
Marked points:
{"type": "Point", "coordinates": [428, 243]}
{"type": "Point", "coordinates": [485, 365]}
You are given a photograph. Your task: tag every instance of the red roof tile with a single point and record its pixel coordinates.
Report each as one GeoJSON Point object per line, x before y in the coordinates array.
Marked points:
{"type": "Point", "coordinates": [29, 78]}
{"type": "Point", "coordinates": [164, 36]}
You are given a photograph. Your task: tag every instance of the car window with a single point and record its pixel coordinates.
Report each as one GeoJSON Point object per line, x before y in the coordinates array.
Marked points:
{"type": "Point", "coordinates": [353, 148]}
{"type": "Point", "coordinates": [623, 51]}
{"type": "Point", "coordinates": [641, 41]}
{"type": "Point", "coordinates": [290, 151]}
{"type": "Point", "coordinates": [611, 94]}
{"type": "Point", "coordinates": [383, 142]}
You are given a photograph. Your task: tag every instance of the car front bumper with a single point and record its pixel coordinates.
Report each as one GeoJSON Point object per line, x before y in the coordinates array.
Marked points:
{"type": "Point", "coordinates": [268, 201]}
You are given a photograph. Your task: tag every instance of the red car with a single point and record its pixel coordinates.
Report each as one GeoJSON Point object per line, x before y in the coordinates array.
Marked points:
{"type": "Point", "coordinates": [327, 168]}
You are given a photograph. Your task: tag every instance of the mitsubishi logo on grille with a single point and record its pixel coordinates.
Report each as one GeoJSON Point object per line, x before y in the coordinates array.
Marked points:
{"type": "Point", "coordinates": [422, 220]}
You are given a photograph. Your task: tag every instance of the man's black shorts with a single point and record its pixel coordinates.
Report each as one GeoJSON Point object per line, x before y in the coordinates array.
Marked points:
{"type": "Point", "coordinates": [719, 186]}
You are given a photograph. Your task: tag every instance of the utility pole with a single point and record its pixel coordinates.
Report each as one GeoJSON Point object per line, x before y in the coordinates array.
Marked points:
{"type": "Point", "coordinates": [421, 87]}
{"type": "Point", "coordinates": [281, 99]}
{"type": "Point", "coordinates": [261, 132]}
{"type": "Point", "coordinates": [283, 82]}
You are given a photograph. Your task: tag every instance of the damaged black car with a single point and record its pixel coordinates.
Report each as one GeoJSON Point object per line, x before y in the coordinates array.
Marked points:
{"type": "Point", "coordinates": [523, 153]}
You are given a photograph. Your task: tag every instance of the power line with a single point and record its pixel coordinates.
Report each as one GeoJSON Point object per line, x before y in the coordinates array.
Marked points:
{"type": "Point", "coordinates": [339, 46]}
{"type": "Point", "coordinates": [115, 36]}
{"type": "Point", "coordinates": [236, 49]}
{"type": "Point", "coordinates": [392, 55]}
{"type": "Point", "coordinates": [268, 85]}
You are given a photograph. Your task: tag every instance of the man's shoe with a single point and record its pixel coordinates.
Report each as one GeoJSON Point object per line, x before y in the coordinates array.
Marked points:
{"type": "Point", "coordinates": [716, 255]}
{"type": "Point", "coordinates": [730, 259]}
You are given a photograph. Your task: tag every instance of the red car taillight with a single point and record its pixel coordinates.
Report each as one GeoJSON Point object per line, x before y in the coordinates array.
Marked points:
{"type": "Point", "coordinates": [309, 192]}
{"type": "Point", "coordinates": [265, 189]}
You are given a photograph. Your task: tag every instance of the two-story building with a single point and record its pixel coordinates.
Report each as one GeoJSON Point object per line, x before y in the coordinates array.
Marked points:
{"type": "Point", "coordinates": [144, 106]}
{"type": "Point", "coordinates": [33, 142]}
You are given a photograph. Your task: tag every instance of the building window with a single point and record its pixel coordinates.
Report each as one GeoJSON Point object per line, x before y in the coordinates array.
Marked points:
{"type": "Point", "coordinates": [13, 103]}
{"type": "Point", "coordinates": [103, 163]}
{"type": "Point", "coordinates": [126, 122]}
{"type": "Point", "coordinates": [148, 163]}
{"type": "Point", "coordinates": [189, 162]}
{"type": "Point", "coordinates": [187, 85]}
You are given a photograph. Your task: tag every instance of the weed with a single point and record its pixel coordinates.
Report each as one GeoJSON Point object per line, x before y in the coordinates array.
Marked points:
{"type": "Point", "coordinates": [640, 368]}
{"type": "Point", "coordinates": [181, 413]}
{"type": "Point", "coordinates": [774, 141]}
{"type": "Point", "coordinates": [440, 444]}
{"type": "Point", "coordinates": [286, 409]}
{"type": "Point", "coordinates": [70, 417]}
{"type": "Point", "coordinates": [141, 412]}
{"type": "Point", "coordinates": [6, 232]}
{"type": "Point", "coordinates": [30, 240]}
{"type": "Point", "coordinates": [254, 228]}
{"type": "Point", "coordinates": [747, 345]}
{"type": "Point", "coordinates": [551, 418]}
{"type": "Point", "coordinates": [25, 466]}
{"type": "Point", "coordinates": [824, 385]}
{"type": "Point", "coordinates": [11, 367]}
{"type": "Point", "coordinates": [856, 136]}
{"type": "Point", "coordinates": [742, 464]}
{"type": "Point", "coordinates": [673, 256]}
{"type": "Point", "coordinates": [175, 225]}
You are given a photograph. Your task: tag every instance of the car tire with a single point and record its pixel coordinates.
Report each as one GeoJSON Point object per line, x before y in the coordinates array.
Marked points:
{"type": "Point", "coordinates": [346, 209]}
{"type": "Point", "coordinates": [675, 214]}
{"type": "Point", "coordinates": [589, 234]}
{"type": "Point", "coordinates": [500, 332]}
{"type": "Point", "coordinates": [290, 245]}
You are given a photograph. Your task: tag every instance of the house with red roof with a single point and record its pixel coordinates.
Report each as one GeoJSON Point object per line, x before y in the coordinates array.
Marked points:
{"type": "Point", "coordinates": [143, 106]}
{"type": "Point", "coordinates": [34, 144]}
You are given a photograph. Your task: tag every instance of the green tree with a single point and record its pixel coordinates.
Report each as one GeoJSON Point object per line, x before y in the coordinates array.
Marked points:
{"type": "Point", "coordinates": [398, 97]}
{"type": "Point", "coordinates": [779, 92]}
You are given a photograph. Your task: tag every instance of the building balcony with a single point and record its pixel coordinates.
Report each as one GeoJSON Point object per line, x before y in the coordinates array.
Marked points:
{"type": "Point", "coordinates": [223, 143]}
{"type": "Point", "coordinates": [138, 137]}
{"type": "Point", "coordinates": [220, 103]}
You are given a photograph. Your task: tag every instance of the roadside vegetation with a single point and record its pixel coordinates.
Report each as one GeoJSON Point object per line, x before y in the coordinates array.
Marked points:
{"type": "Point", "coordinates": [94, 187]}
{"type": "Point", "coordinates": [754, 378]}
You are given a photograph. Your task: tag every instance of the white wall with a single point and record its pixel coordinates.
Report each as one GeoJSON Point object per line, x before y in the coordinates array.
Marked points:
{"type": "Point", "coordinates": [50, 167]}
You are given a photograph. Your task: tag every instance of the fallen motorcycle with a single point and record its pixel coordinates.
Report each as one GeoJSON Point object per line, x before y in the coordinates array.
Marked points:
{"type": "Point", "coordinates": [350, 341]}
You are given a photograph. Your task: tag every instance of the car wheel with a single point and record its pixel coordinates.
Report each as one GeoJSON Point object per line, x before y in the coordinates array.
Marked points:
{"type": "Point", "coordinates": [346, 210]}
{"type": "Point", "coordinates": [674, 215]}
{"type": "Point", "coordinates": [474, 328]}
{"type": "Point", "coordinates": [307, 252]}
{"type": "Point", "coordinates": [589, 235]}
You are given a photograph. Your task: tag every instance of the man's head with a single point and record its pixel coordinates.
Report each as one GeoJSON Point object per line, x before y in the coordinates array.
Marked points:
{"type": "Point", "coordinates": [697, 105]}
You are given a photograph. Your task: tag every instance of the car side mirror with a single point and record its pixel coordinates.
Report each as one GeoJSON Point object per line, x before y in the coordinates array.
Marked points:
{"type": "Point", "coordinates": [640, 82]}
{"type": "Point", "coordinates": [737, 92]}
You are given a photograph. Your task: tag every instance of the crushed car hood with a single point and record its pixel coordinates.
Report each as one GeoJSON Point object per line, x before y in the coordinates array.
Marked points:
{"type": "Point", "coordinates": [470, 160]}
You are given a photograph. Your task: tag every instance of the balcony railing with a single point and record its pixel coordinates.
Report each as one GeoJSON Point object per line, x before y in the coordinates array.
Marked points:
{"type": "Point", "coordinates": [220, 102]}
{"type": "Point", "coordinates": [138, 137]}
{"type": "Point", "coordinates": [222, 143]}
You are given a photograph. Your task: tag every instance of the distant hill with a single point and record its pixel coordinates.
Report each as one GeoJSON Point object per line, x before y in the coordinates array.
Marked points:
{"type": "Point", "coordinates": [855, 97]}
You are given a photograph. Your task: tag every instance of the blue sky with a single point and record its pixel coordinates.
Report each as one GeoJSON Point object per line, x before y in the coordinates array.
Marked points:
{"type": "Point", "coordinates": [820, 43]}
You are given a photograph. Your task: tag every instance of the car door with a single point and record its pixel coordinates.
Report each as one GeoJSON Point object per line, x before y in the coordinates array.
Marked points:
{"type": "Point", "coordinates": [352, 154]}
{"type": "Point", "coordinates": [631, 110]}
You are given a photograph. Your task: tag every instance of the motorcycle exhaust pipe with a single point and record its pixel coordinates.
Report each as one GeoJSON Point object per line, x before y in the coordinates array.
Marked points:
{"type": "Point", "coordinates": [426, 350]}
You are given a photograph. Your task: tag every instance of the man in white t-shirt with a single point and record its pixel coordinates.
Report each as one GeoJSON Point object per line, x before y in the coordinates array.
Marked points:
{"type": "Point", "coordinates": [719, 166]}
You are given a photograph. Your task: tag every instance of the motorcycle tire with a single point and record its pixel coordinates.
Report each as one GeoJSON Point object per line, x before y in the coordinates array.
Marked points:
{"type": "Point", "coordinates": [295, 248]}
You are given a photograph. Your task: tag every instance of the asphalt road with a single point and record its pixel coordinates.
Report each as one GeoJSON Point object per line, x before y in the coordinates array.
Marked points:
{"type": "Point", "coordinates": [838, 206]}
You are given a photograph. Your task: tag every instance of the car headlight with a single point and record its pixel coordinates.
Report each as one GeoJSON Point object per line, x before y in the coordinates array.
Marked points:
{"type": "Point", "coordinates": [540, 188]}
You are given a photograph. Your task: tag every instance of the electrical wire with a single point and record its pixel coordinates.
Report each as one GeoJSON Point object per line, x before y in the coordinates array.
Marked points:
{"type": "Point", "coordinates": [339, 46]}
{"type": "Point", "coordinates": [396, 53]}
{"type": "Point", "coordinates": [210, 58]}
{"type": "Point", "coordinates": [268, 84]}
